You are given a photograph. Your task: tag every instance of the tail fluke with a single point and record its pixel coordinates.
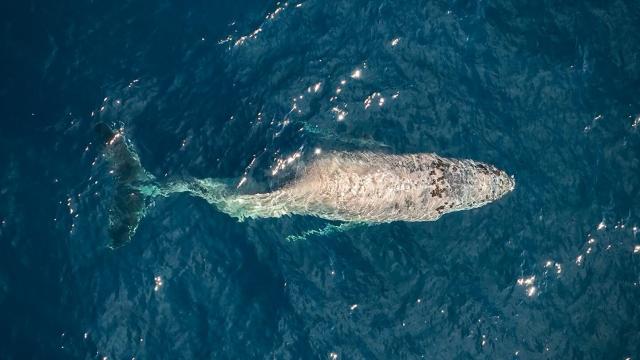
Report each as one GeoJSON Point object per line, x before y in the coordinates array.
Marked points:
{"type": "Point", "coordinates": [128, 207]}
{"type": "Point", "coordinates": [133, 186]}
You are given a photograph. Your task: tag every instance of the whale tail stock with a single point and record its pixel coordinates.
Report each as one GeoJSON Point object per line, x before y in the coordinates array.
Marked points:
{"type": "Point", "coordinates": [134, 188]}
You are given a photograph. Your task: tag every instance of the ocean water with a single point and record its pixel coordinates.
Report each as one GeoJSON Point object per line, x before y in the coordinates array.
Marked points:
{"type": "Point", "coordinates": [546, 90]}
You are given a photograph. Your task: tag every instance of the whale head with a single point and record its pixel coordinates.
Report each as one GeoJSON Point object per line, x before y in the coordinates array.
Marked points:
{"type": "Point", "coordinates": [501, 184]}
{"type": "Point", "coordinates": [477, 184]}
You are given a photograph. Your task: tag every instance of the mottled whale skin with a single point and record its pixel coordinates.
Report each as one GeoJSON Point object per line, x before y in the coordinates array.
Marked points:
{"type": "Point", "coordinates": [353, 187]}
{"type": "Point", "coordinates": [367, 187]}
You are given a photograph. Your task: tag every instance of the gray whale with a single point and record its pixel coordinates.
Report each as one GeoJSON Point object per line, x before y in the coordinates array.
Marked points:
{"type": "Point", "coordinates": [366, 187]}
{"type": "Point", "coordinates": [357, 187]}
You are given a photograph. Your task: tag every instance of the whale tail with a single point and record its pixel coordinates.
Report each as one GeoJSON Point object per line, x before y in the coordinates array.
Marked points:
{"type": "Point", "coordinates": [132, 185]}
{"type": "Point", "coordinates": [134, 189]}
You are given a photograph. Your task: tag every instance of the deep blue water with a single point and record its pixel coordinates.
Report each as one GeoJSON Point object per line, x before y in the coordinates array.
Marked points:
{"type": "Point", "coordinates": [547, 91]}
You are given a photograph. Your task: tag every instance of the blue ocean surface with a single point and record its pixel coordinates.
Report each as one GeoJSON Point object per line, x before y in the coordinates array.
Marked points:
{"type": "Point", "coordinates": [549, 91]}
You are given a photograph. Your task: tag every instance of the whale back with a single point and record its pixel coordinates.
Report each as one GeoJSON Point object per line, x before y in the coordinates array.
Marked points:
{"type": "Point", "coordinates": [378, 187]}
{"type": "Point", "coordinates": [365, 187]}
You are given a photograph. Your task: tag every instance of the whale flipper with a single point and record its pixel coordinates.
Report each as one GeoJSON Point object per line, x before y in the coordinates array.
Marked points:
{"type": "Point", "coordinates": [329, 229]}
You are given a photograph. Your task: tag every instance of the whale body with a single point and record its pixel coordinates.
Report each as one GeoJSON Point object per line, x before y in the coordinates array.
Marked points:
{"type": "Point", "coordinates": [360, 186]}
{"type": "Point", "coordinates": [368, 187]}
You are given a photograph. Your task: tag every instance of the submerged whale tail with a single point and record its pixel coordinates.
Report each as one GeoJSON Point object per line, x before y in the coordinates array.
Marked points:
{"type": "Point", "coordinates": [129, 199]}
{"type": "Point", "coordinates": [134, 188]}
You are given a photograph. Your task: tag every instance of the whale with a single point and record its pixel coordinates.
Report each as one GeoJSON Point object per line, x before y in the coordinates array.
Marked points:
{"type": "Point", "coordinates": [346, 186]}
